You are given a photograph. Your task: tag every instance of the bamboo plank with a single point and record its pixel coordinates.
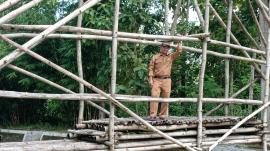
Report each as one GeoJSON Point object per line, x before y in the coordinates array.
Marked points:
{"type": "Point", "coordinates": [7, 4]}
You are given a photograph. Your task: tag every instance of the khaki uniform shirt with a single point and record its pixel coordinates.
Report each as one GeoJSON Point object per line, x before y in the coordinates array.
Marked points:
{"type": "Point", "coordinates": [160, 64]}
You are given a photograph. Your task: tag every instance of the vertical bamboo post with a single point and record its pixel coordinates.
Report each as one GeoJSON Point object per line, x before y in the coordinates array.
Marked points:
{"type": "Point", "coordinates": [201, 78]}
{"type": "Point", "coordinates": [5, 5]}
{"type": "Point", "coordinates": [114, 69]}
{"type": "Point", "coordinates": [79, 65]}
{"type": "Point", "coordinates": [266, 89]}
{"type": "Point", "coordinates": [251, 88]}
{"type": "Point", "coordinates": [18, 11]}
{"type": "Point", "coordinates": [227, 61]}
{"type": "Point", "coordinates": [166, 21]}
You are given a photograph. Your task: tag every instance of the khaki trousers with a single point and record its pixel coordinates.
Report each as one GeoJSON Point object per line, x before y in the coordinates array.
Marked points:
{"type": "Point", "coordinates": [162, 86]}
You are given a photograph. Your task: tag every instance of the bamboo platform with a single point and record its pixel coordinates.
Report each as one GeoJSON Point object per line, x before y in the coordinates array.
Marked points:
{"type": "Point", "coordinates": [130, 134]}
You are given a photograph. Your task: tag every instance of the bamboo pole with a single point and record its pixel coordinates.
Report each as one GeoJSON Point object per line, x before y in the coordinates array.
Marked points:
{"type": "Point", "coordinates": [15, 68]}
{"type": "Point", "coordinates": [166, 16]}
{"type": "Point", "coordinates": [233, 96]}
{"type": "Point", "coordinates": [90, 86]}
{"type": "Point", "coordinates": [18, 11]}
{"type": "Point", "coordinates": [227, 62]}
{"type": "Point", "coordinates": [251, 87]}
{"type": "Point", "coordinates": [244, 29]}
{"type": "Point", "coordinates": [199, 13]}
{"type": "Point", "coordinates": [235, 40]}
{"type": "Point", "coordinates": [94, 97]}
{"type": "Point", "coordinates": [79, 65]}
{"type": "Point", "coordinates": [114, 70]}
{"type": "Point", "coordinates": [239, 124]}
{"type": "Point", "coordinates": [201, 77]}
{"type": "Point", "coordinates": [176, 16]}
{"type": "Point", "coordinates": [194, 37]}
{"type": "Point", "coordinates": [256, 22]}
{"type": "Point", "coordinates": [7, 4]}
{"type": "Point", "coordinates": [68, 36]}
{"type": "Point", "coordinates": [266, 93]}
{"type": "Point", "coordinates": [187, 16]}
{"type": "Point", "coordinates": [264, 13]}
{"type": "Point", "coordinates": [39, 38]}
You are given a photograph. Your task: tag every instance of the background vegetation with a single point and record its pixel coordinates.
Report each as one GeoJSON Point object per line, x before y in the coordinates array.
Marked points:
{"type": "Point", "coordinates": [137, 16]}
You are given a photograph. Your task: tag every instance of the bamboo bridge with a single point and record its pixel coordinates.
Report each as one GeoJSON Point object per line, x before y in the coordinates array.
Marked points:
{"type": "Point", "coordinates": [137, 133]}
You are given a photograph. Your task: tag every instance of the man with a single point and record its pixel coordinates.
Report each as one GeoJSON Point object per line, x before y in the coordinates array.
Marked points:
{"type": "Point", "coordinates": [160, 78]}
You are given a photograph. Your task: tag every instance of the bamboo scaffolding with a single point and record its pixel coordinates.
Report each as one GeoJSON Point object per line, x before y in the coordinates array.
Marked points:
{"type": "Point", "coordinates": [263, 107]}
{"type": "Point", "coordinates": [7, 4]}
{"type": "Point", "coordinates": [264, 13]}
{"type": "Point", "coordinates": [244, 29]}
{"type": "Point", "coordinates": [227, 62]}
{"type": "Point", "coordinates": [27, 95]}
{"type": "Point", "coordinates": [18, 11]}
{"type": "Point", "coordinates": [113, 76]}
{"type": "Point", "coordinates": [233, 96]}
{"type": "Point", "coordinates": [201, 77]}
{"type": "Point", "coordinates": [235, 40]}
{"type": "Point", "coordinates": [251, 87]}
{"type": "Point", "coordinates": [15, 68]}
{"type": "Point", "coordinates": [142, 42]}
{"type": "Point", "coordinates": [39, 38]}
{"type": "Point", "coordinates": [90, 86]}
{"type": "Point", "coordinates": [256, 22]}
{"type": "Point", "coordinates": [79, 65]}
{"type": "Point", "coordinates": [176, 16]}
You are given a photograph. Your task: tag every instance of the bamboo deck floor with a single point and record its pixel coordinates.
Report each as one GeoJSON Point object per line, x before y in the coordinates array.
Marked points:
{"type": "Point", "coordinates": [130, 134]}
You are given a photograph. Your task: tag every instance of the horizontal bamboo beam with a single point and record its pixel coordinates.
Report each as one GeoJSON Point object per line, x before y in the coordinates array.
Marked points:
{"type": "Point", "coordinates": [8, 3]}
{"type": "Point", "coordinates": [72, 36]}
{"type": "Point", "coordinates": [15, 68]}
{"type": "Point", "coordinates": [195, 37]}
{"type": "Point", "coordinates": [123, 98]}
{"type": "Point", "coordinates": [18, 11]}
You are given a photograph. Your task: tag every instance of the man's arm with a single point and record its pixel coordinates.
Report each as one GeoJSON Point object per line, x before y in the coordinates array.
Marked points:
{"type": "Point", "coordinates": [151, 71]}
{"type": "Point", "coordinates": [177, 52]}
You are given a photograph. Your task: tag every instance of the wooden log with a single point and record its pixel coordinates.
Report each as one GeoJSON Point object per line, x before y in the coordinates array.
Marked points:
{"type": "Point", "coordinates": [78, 79]}
{"type": "Point", "coordinates": [26, 95]}
{"type": "Point", "coordinates": [36, 40]}
{"type": "Point", "coordinates": [7, 4]}
{"type": "Point", "coordinates": [166, 18]}
{"type": "Point", "coordinates": [54, 85]}
{"type": "Point", "coordinates": [8, 17]}
{"type": "Point", "coordinates": [79, 65]}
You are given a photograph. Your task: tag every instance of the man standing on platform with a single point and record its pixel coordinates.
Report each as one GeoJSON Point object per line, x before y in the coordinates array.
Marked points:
{"type": "Point", "coordinates": [160, 78]}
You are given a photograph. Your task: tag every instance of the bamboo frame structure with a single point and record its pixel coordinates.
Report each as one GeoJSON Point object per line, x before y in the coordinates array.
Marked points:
{"type": "Point", "coordinates": [47, 31]}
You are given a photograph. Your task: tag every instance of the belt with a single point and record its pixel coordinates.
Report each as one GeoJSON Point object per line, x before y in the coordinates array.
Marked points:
{"type": "Point", "coordinates": [162, 77]}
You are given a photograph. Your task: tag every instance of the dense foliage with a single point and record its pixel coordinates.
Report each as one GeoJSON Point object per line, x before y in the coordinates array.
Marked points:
{"type": "Point", "coordinates": [137, 16]}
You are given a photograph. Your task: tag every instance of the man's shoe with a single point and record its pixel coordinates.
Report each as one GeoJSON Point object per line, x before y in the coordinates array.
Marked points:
{"type": "Point", "coordinates": [162, 117]}
{"type": "Point", "coordinates": [152, 118]}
